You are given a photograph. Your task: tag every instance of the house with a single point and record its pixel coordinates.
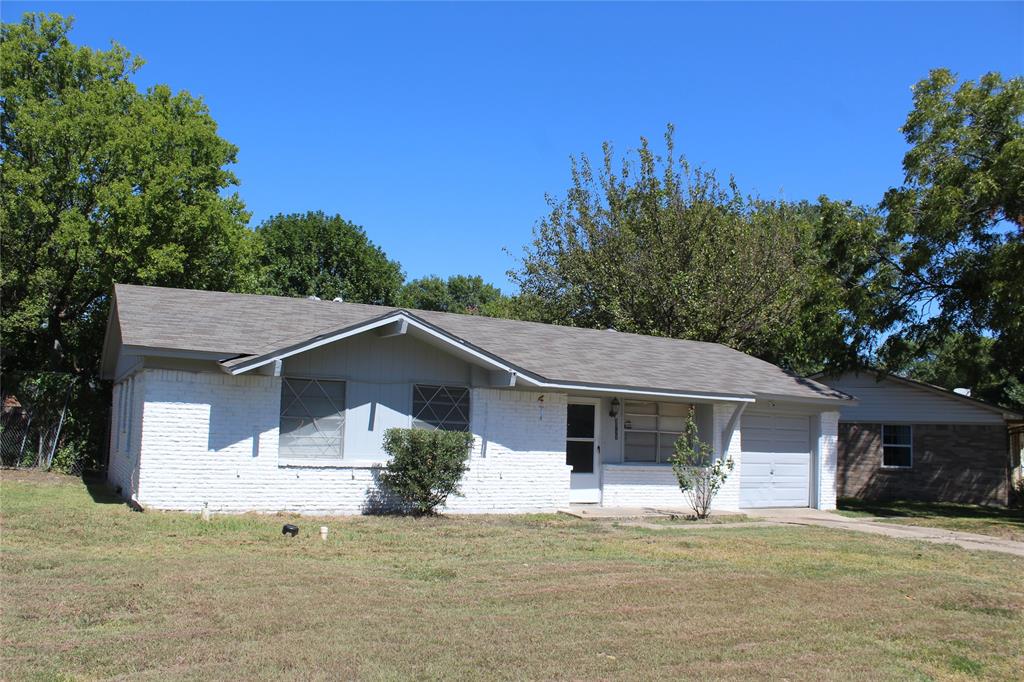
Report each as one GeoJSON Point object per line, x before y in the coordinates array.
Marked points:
{"type": "Point", "coordinates": [263, 403]}
{"type": "Point", "coordinates": [909, 440]}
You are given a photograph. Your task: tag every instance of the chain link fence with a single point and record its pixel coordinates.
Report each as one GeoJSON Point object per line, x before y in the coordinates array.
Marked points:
{"type": "Point", "coordinates": [34, 420]}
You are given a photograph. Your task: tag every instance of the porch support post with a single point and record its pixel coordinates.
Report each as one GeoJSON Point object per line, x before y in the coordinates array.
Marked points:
{"type": "Point", "coordinates": [734, 420]}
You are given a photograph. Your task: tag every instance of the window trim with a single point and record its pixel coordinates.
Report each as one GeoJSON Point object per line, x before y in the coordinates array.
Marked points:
{"type": "Point", "coordinates": [316, 462]}
{"type": "Point", "coordinates": [909, 447]}
{"type": "Point", "coordinates": [446, 385]}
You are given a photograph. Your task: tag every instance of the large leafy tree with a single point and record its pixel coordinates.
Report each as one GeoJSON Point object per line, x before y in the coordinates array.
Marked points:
{"type": "Point", "coordinates": [457, 294]}
{"type": "Point", "coordinates": [960, 219]}
{"type": "Point", "coordinates": [100, 183]}
{"type": "Point", "coordinates": [965, 360]}
{"type": "Point", "coordinates": [313, 254]}
{"type": "Point", "coordinates": [658, 247]}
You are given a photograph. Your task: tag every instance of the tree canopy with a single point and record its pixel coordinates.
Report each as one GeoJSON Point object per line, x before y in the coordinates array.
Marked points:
{"type": "Point", "coordinates": [656, 246]}
{"type": "Point", "coordinates": [100, 183]}
{"type": "Point", "coordinates": [959, 219]}
{"type": "Point", "coordinates": [458, 294]}
{"type": "Point", "coordinates": [313, 254]}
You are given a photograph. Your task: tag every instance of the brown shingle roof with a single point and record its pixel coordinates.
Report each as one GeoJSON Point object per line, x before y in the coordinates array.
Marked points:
{"type": "Point", "coordinates": [242, 324]}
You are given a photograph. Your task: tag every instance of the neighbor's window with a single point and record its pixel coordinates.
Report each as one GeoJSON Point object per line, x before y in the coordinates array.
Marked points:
{"type": "Point", "coordinates": [651, 429]}
{"type": "Point", "coordinates": [440, 407]}
{"type": "Point", "coordinates": [897, 448]}
{"type": "Point", "coordinates": [312, 419]}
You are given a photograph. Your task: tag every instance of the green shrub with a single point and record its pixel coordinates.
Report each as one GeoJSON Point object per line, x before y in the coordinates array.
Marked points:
{"type": "Point", "coordinates": [425, 466]}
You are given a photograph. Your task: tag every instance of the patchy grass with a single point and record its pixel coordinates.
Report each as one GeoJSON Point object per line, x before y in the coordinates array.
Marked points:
{"type": "Point", "coordinates": [92, 590]}
{"type": "Point", "coordinates": [713, 520]}
{"type": "Point", "coordinates": [996, 521]}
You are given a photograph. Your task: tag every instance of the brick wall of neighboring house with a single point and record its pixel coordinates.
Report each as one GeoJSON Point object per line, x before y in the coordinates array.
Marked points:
{"type": "Point", "coordinates": [951, 463]}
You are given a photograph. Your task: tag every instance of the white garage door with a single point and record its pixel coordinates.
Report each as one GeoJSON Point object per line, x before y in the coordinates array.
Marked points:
{"type": "Point", "coordinates": [776, 467]}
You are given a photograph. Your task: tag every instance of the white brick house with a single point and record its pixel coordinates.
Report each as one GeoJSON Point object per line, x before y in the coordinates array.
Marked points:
{"type": "Point", "coordinates": [259, 403]}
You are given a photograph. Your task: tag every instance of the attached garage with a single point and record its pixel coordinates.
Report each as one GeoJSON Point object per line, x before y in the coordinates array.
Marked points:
{"type": "Point", "coordinates": [775, 469]}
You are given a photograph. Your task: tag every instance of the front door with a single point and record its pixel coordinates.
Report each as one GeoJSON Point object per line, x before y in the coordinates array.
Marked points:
{"type": "Point", "coordinates": [581, 453]}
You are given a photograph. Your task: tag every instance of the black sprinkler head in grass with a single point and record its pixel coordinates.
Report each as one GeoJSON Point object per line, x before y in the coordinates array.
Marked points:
{"type": "Point", "coordinates": [289, 529]}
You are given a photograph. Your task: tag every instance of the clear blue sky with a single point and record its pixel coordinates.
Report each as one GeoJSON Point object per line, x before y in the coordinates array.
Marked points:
{"type": "Point", "coordinates": [440, 127]}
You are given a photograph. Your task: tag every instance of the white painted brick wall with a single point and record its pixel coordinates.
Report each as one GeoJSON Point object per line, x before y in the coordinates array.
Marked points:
{"type": "Point", "coordinates": [729, 496]}
{"type": "Point", "coordinates": [517, 463]}
{"type": "Point", "coordinates": [626, 485]}
{"type": "Point", "coordinates": [125, 435]}
{"type": "Point", "coordinates": [213, 438]}
{"type": "Point", "coordinates": [828, 450]}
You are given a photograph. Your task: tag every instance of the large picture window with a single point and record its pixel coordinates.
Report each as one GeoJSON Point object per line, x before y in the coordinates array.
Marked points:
{"type": "Point", "coordinates": [440, 407]}
{"type": "Point", "coordinates": [651, 430]}
{"type": "Point", "coordinates": [312, 419]}
{"type": "Point", "coordinates": [897, 446]}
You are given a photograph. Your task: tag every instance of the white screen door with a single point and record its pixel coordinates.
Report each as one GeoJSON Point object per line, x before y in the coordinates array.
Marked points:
{"type": "Point", "coordinates": [581, 453]}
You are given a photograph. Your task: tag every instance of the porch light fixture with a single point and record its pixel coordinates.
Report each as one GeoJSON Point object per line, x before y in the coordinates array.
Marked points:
{"type": "Point", "coordinates": [614, 413]}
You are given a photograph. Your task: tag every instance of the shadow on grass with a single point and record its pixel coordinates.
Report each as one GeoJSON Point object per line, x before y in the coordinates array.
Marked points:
{"type": "Point", "coordinates": [100, 490]}
{"type": "Point", "coordinates": [904, 509]}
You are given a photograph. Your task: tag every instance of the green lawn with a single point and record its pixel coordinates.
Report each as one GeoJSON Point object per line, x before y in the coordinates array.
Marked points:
{"type": "Point", "coordinates": [91, 590]}
{"type": "Point", "coordinates": [1003, 523]}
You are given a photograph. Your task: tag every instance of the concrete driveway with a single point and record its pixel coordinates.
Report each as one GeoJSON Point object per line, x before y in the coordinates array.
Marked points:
{"type": "Point", "coordinates": [815, 517]}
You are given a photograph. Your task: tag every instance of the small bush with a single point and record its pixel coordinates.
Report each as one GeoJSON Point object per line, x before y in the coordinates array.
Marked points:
{"type": "Point", "coordinates": [425, 466]}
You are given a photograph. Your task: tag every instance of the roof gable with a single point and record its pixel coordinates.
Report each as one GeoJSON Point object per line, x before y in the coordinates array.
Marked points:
{"type": "Point", "coordinates": [885, 397]}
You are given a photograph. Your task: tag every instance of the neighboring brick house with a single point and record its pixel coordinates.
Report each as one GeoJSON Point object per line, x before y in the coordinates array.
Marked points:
{"type": "Point", "coordinates": [907, 440]}
{"type": "Point", "coordinates": [263, 403]}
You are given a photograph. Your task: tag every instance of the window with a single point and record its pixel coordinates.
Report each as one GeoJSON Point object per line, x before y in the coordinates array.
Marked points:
{"type": "Point", "coordinates": [440, 407]}
{"type": "Point", "coordinates": [897, 445]}
{"type": "Point", "coordinates": [312, 419]}
{"type": "Point", "coordinates": [651, 430]}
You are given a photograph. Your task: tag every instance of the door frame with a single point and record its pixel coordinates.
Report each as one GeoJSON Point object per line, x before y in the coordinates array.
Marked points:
{"type": "Point", "coordinates": [596, 403]}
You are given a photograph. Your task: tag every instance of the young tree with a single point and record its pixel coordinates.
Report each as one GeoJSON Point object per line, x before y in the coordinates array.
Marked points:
{"type": "Point", "coordinates": [313, 254]}
{"type": "Point", "coordinates": [100, 183]}
{"type": "Point", "coordinates": [699, 473]}
{"type": "Point", "coordinates": [661, 248]}
{"type": "Point", "coordinates": [960, 217]}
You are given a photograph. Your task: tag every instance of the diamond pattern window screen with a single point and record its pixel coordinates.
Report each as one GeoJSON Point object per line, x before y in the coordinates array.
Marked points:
{"type": "Point", "coordinates": [312, 419]}
{"type": "Point", "coordinates": [440, 407]}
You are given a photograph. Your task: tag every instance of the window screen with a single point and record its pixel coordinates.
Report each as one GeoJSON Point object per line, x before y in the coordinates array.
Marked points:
{"type": "Point", "coordinates": [440, 407]}
{"type": "Point", "coordinates": [651, 430]}
{"type": "Point", "coordinates": [312, 419]}
{"type": "Point", "coordinates": [897, 445]}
